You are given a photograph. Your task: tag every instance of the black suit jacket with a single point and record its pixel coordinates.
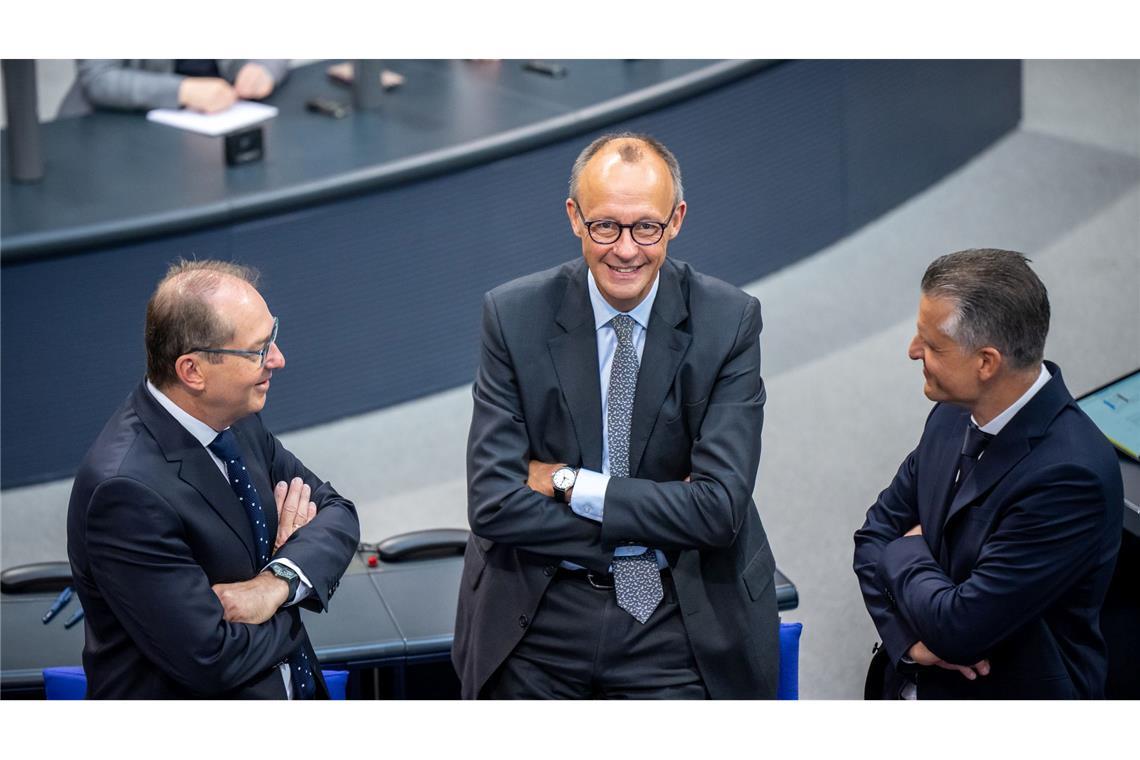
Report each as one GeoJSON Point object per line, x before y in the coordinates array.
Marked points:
{"type": "Point", "coordinates": [1015, 568]}
{"type": "Point", "coordinates": [152, 524]}
{"type": "Point", "coordinates": [698, 410]}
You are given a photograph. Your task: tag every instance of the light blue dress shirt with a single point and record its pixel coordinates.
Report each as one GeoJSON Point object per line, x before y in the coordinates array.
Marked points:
{"type": "Point", "coordinates": [589, 496]}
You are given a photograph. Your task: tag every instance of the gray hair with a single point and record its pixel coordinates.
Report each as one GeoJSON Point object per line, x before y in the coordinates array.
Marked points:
{"type": "Point", "coordinates": [179, 315]}
{"type": "Point", "coordinates": [998, 302]}
{"type": "Point", "coordinates": [630, 153]}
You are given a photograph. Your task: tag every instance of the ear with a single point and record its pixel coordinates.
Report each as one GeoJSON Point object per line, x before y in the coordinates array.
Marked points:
{"type": "Point", "coordinates": [575, 220]}
{"type": "Point", "coordinates": [990, 363]}
{"type": "Point", "coordinates": [678, 219]}
{"type": "Point", "coordinates": [189, 370]}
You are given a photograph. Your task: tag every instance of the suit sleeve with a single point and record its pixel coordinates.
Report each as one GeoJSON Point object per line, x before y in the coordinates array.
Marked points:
{"type": "Point", "coordinates": [500, 506]}
{"type": "Point", "coordinates": [149, 577]}
{"type": "Point", "coordinates": [112, 84]}
{"type": "Point", "coordinates": [893, 514]}
{"type": "Point", "coordinates": [323, 548]}
{"type": "Point", "coordinates": [709, 510]}
{"type": "Point", "coordinates": [1045, 539]}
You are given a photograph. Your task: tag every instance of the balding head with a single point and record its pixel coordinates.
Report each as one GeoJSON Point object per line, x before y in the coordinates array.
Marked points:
{"type": "Point", "coordinates": [182, 313]}
{"type": "Point", "coordinates": [630, 148]}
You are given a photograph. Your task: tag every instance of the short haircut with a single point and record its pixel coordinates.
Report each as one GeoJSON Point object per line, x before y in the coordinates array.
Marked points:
{"type": "Point", "coordinates": [179, 315]}
{"type": "Point", "coordinates": [630, 154]}
{"type": "Point", "coordinates": [998, 302]}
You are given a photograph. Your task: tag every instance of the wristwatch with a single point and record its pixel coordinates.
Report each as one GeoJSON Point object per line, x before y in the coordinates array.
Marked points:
{"type": "Point", "coordinates": [287, 574]}
{"type": "Point", "coordinates": [563, 480]}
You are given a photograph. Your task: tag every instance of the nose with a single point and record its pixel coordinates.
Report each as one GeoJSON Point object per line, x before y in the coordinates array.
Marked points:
{"type": "Point", "coordinates": [914, 350]}
{"type": "Point", "coordinates": [275, 359]}
{"type": "Point", "coordinates": [625, 246]}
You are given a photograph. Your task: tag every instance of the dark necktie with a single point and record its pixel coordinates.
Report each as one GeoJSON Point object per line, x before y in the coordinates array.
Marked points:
{"type": "Point", "coordinates": [225, 447]}
{"type": "Point", "coordinates": [973, 445]}
{"type": "Point", "coordinates": [637, 579]}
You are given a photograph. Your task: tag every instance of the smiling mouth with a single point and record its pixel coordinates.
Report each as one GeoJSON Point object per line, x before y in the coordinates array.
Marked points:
{"type": "Point", "coordinates": [625, 270]}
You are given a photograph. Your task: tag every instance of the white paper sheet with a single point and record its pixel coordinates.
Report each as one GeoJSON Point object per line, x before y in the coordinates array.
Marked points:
{"type": "Point", "coordinates": [241, 114]}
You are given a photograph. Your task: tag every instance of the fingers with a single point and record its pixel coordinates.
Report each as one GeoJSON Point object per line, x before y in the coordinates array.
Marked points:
{"type": "Point", "coordinates": [290, 508]}
{"type": "Point", "coordinates": [253, 82]}
{"type": "Point", "coordinates": [982, 667]}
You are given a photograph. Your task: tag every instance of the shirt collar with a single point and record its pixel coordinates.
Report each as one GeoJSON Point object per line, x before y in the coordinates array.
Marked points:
{"type": "Point", "coordinates": [202, 432]}
{"type": "Point", "coordinates": [994, 426]}
{"type": "Point", "coordinates": [603, 312]}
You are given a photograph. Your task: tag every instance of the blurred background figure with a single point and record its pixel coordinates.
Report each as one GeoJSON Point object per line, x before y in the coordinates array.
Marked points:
{"type": "Point", "coordinates": [204, 85]}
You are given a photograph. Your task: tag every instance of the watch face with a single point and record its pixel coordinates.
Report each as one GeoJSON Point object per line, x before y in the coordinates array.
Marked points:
{"type": "Point", "coordinates": [281, 571]}
{"type": "Point", "coordinates": [563, 478]}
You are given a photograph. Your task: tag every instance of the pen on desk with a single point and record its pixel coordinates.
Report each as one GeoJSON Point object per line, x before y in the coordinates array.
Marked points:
{"type": "Point", "coordinates": [75, 618]}
{"type": "Point", "coordinates": [59, 603]}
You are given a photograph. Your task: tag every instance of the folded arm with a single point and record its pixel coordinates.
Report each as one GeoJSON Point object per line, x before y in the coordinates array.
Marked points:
{"type": "Point", "coordinates": [1043, 541]}
{"type": "Point", "coordinates": [146, 572]}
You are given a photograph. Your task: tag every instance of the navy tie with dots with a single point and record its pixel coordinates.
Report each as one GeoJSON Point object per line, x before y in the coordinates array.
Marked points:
{"type": "Point", "coordinates": [225, 447]}
{"type": "Point", "coordinates": [637, 579]}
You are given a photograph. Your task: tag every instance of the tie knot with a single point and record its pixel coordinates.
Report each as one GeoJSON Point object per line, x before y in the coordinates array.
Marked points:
{"type": "Point", "coordinates": [225, 446]}
{"type": "Point", "coordinates": [975, 442]}
{"type": "Point", "coordinates": [623, 326]}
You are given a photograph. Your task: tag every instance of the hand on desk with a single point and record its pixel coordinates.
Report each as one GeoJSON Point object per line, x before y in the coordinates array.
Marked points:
{"type": "Point", "coordinates": [253, 601]}
{"type": "Point", "coordinates": [206, 94]}
{"type": "Point", "coordinates": [294, 510]}
{"type": "Point", "coordinates": [253, 82]}
{"type": "Point", "coordinates": [923, 656]}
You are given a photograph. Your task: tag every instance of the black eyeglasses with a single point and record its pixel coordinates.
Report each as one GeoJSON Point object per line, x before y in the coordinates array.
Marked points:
{"type": "Point", "coordinates": [260, 354]}
{"type": "Point", "coordinates": [607, 231]}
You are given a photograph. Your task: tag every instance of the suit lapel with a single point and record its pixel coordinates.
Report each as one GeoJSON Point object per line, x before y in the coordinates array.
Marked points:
{"type": "Point", "coordinates": [575, 355]}
{"type": "Point", "coordinates": [1014, 441]}
{"type": "Point", "coordinates": [665, 346]}
{"type": "Point", "coordinates": [196, 468]}
{"type": "Point", "coordinates": [948, 448]}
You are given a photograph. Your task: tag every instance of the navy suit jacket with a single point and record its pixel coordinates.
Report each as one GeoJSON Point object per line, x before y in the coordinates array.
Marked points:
{"type": "Point", "coordinates": [1013, 569]}
{"type": "Point", "coordinates": [698, 410]}
{"type": "Point", "coordinates": [153, 524]}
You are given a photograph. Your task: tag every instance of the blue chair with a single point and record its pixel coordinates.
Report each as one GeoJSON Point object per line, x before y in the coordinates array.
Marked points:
{"type": "Point", "coordinates": [65, 683]}
{"type": "Point", "coordinates": [789, 685]}
{"type": "Point", "coordinates": [71, 683]}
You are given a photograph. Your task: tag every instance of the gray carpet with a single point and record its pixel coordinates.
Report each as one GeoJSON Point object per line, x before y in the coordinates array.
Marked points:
{"type": "Point", "coordinates": [845, 405]}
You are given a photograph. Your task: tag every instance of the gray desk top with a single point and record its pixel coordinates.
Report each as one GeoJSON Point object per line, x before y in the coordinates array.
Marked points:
{"type": "Point", "coordinates": [112, 177]}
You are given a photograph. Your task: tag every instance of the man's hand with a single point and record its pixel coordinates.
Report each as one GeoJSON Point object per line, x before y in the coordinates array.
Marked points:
{"type": "Point", "coordinates": [294, 509]}
{"type": "Point", "coordinates": [206, 94]}
{"type": "Point", "coordinates": [253, 82]}
{"type": "Point", "coordinates": [915, 531]}
{"type": "Point", "coordinates": [539, 476]}
{"type": "Point", "coordinates": [923, 656]}
{"type": "Point", "coordinates": [253, 601]}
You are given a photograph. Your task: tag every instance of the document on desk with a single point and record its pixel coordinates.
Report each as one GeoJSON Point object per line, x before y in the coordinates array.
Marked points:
{"type": "Point", "coordinates": [241, 114]}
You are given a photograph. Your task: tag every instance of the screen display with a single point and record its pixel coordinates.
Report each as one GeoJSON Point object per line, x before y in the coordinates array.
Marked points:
{"type": "Point", "coordinates": [1115, 409]}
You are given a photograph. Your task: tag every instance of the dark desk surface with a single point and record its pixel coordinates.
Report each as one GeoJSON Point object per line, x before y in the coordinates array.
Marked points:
{"type": "Point", "coordinates": [111, 177]}
{"type": "Point", "coordinates": [377, 618]}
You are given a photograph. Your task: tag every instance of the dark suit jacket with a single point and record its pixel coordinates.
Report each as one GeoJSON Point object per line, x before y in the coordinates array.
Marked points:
{"type": "Point", "coordinates": [152, 524]}
{"type": "Point", "coordinates": [1015, 568]}
{"type": "Point", "coordinates": [698, 410]}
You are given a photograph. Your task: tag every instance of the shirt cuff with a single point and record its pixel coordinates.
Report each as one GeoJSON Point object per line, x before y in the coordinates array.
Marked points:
{"type": "Point", "coordinates": [304, 588]}
{"type": "Point", "coordinates": [589, 497]}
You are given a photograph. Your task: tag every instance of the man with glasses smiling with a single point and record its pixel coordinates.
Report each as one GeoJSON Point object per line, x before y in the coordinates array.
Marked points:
{"type": "Point", "coordinates": [616, 550]}
{"type": "Point", "coordinates": [190, 563]}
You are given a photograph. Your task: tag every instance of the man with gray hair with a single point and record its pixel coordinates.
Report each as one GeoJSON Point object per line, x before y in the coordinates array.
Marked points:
{"type": "Point", "coordinates": [194, 535]}
{"type": "Point", "coordinates": [616, 551]}
{"type": "Point", "coordinates": [985, 562]}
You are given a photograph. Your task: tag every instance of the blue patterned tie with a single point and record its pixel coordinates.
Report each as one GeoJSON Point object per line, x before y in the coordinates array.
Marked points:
{"type": "Point", "coordinates": [225, 447]}
{"type": "Point", "coordinates": [637, 579]}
